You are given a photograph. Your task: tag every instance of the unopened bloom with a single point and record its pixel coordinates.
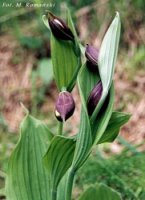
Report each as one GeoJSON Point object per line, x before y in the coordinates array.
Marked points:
{"type": "Point", "coordinates": [59, 29]}
{"type": "Point", "coordinates": [94, 98]}
{"type": "Point", "coordinates": [92, 54]}
{"type": "Point", "coordinates": [65, 106]}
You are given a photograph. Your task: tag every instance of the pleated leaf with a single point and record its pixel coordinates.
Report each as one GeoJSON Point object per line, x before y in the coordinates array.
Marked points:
{"type": "Point", "coordinates": [100, 123]}
{"type": "Point", "coordinates": [65, 59]}
{"type": "Point", "coordinates": [84, 142]}
{"type": "Point", "coordinates": [84, 137]}
{"type": "Point", "coordinates": [62, 187]}
{"type": "Point", "coordinates": [92, 128]}
{"type": "Point", "coordinates": [100, 192]}
{"type": "Point", "coordinates": [27, 179]}
{"type": "Point", "coordinates": [90, 132]}
{"type": "Point", "coordinates": [107, 59]}
{"type": "Point", "coordinates": [76, 47]}
{"type": "Point", "coordinates": [108, 52]}
{"type": "Point", "coordinates": [58, 158]}
{"type": "Point", "coordinates": [117, 120]}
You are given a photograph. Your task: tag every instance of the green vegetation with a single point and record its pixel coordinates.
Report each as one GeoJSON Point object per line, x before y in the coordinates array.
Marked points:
{"type": "Point", "coordinates": [124, 171]}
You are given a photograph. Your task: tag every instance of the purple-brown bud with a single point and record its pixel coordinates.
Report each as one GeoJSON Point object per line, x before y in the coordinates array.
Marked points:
{"type": "Point", "coordinates": [94, 98]}
{"type": "Point", "coordinates": [65, 106]}
{"type": "Point", "coordinates": [92, 54]}
{"type": "Point", "coordinates": [59, 29]}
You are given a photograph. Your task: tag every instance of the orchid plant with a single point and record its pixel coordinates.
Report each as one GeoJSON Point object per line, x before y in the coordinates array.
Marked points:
{"type": "Point", "coordinates": [43, 164]}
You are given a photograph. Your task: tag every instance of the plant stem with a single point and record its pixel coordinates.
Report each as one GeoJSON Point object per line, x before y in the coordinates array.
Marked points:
{"type": "Point", "coordinates": [69, 184]}
{"type": "Point", "coordinates": [60, 128]}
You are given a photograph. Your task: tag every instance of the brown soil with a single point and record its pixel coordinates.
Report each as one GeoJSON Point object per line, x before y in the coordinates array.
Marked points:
{"type": "Point", "coordinates": [15, 69]}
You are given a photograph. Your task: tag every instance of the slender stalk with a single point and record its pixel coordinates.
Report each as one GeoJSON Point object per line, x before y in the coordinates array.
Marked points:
{"type": "Point", "coordinates": [60, 128]}
{"type": "Point", "coordinates": [69, 185]}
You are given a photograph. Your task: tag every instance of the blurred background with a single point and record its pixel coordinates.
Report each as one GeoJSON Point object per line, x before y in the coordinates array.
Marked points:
{"type": "Point", "coordinates": [26, 76]}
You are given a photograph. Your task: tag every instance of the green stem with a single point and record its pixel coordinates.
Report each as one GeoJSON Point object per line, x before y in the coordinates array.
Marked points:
{"type": "Point", "coordinates": [69, 185]}
{"type": "Point", "coordinates": [60, 128]}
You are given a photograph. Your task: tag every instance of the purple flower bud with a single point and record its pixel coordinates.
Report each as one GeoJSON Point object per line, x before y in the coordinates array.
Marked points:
{"type": "Point", "coordinates": [65, 106]}
{"type": "Point", "coordinates": [59, 29]}
{"type": "Point", "coordinates": [92, 54]}
{"type": "Point", "coordinates": [94, 98]}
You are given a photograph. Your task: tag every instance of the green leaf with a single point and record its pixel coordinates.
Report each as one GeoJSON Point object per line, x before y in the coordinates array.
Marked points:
{"type": "Point", "coordinates": [90, 79]}
{"type": "Point", "coordinates": [45, 70]}
{"type": "Point", "coordinates": [45, 21]}
{"type": "Point", "coordinates": [77, 51]}
{"type": "Point", "coordinates": [89, 133]}
{"type": "Point", "coordinates": [92, 129]}
{"type": "Point", "coordinates": [108, 52]}
{"type": "Point", "coordinates": [117, 120]}
{"type": "Point", "coordinates": [66, 59]}
{"type": "Point", "coordinates": [107, 58]}
{"type": "Point", "coordinates": [103, 117]}
{"type": "Point", "coordinates": [64, 62]}
{"type": "Point", "coordinates": [90, 193]}
{"type": "Point", "coordinates": [84, 142]}
{"type": "Point", "coordinates": [100, 192]}
{"type": "Point", "coordinates": [84, 137]}
{"type": "Point", "coordinates": [62, 187]}
{"type": "Point", "coordinates": [27, 178]}
{"type": "Point", "coordinates": [71, 24]}
{"type": "Point", "coordinates": [59, 158]}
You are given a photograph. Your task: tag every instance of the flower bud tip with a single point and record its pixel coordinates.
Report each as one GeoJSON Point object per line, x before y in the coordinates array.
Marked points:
{"type": "Point", "coordinates": [59, 28]}
{"type": "Point", "coordinates": [91, 54]}
{"type": "Point", "coordinates": [65, 106]}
